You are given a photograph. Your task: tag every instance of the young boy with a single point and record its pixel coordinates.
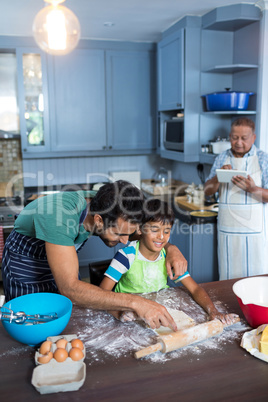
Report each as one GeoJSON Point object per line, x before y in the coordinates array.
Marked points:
{"type": "Point", "coordinates": [140, 267]}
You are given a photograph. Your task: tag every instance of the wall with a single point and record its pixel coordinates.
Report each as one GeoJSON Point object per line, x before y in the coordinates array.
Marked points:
{"type": "Point", "coordinates": [188, 173]}
{"type": "Point", "coordinates": [11, 164]}
{"type": "Point", "coordinates": [54, 171]}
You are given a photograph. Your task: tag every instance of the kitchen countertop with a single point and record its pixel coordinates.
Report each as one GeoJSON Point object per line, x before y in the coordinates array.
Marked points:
{"type": "Point", "coordinates": [214, 370]}
{"type": "Point", "coordinates": [183, 208]}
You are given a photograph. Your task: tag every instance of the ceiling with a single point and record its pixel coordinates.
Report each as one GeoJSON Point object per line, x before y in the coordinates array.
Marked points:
{"type": "Point", "coordinates": [134, 20]}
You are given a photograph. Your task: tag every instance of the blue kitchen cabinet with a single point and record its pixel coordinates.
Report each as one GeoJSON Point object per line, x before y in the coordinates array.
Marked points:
{"type": "Point", "coordinates": [131, 107]}
{"type": "Point", "coordinates": [77, 100]}
{"type": "Point", "coordinates": [178, 65]}
{"type": "Point", "coordinates": [198, 244]}
{"type": "Point", "coordinates": [170, 62]}
{"type": "Point", "coordinates": [33, 100]}
{"type": "Point", "coordinates": [102, 101]}
{"type": "Point", "coordinates": [94, 250]}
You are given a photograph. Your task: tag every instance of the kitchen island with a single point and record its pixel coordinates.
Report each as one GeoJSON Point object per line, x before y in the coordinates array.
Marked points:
{"type": "Point", "coordinates": [217, 369]}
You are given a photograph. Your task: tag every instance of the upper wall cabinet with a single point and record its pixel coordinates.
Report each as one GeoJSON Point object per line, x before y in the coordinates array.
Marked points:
{"type": "Point", "coordinates": [170, 62]}
{"type": "Point", "coordinates": [102, 101]}
{"type": "Point", "coordinates": [98, 100]}
{"type": "Point", "coordinates": [130, 100]}
{"type": "Point", "coordinates": [77, 101]}
{"type": "Point", "coordinates": [178, 82]}
{"type": "Point", "coordinates": [33, 100]}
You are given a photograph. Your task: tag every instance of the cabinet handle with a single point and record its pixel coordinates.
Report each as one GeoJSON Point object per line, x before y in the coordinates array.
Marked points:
{"type": "Point", "coordinates": [179, 104]}
{"type": "Point", "coordinates": [104, 147]}
{"type": "Point", "coordinates": [110, 147]}
{"type": "Point", "coordinates": [24, 150]}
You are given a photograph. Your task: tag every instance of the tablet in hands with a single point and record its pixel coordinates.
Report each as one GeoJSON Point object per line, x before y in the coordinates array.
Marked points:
{"type": "Point", "coordinates": [225, 175]}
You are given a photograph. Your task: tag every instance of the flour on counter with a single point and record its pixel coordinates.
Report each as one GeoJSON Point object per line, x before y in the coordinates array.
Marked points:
{"type": "Point", "coordinates": [104, 336]}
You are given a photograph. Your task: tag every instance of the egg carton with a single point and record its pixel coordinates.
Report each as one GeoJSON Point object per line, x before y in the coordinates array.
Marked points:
{"type": "Point", "coordinates": [54, 376]}
{"type": "Point", "coordinates": [59, 377]}
{"type": "Point", "coordinates": [54, 339]}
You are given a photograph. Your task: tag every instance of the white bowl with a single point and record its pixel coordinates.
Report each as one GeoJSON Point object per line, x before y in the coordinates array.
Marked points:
{"type": "Point", "coordinates": [252, 296]}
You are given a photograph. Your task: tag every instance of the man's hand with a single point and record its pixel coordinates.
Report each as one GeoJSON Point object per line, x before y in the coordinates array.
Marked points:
{"type": "Point", "coordinates": [176, 264]}
{"type": "Point", "coordinates": [154, 314]}
{"type": "Point", "coordinates": [226, 167]}
{"type": "Point", "coordinates": [245, 183]}
{"type": "Point", "coordinates": [212, 185]}
{"type": "Point", "coordinates": [248, 184]}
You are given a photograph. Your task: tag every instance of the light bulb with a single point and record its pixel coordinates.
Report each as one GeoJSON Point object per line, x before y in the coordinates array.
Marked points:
{"type": "Point", "coordinates": [56, 29]}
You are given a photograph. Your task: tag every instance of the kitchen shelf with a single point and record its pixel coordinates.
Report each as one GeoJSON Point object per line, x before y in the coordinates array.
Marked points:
{"type": "Point", "coordinates": [231, 68]}
{"type": "Point", "coordinates": [207, 158]}
{"type": "Point", "coordinates": [245, 112]}
{"type": "Point", "coordinates": [231, 18]}
{"type": "Point", "coordinates": [178, 156]}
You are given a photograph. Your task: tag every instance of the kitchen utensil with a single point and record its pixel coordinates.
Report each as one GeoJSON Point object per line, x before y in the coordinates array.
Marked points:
{"type": "Point", "coordinates": [20, 317]}
{"type": "Point", "coordinates": [203, 216]}
{"type": "Point", "coordinates": [184, 337]}
{"type": "Point", "coordinates": [252, 296]}
{"type": "Point", "coordinates": [227, 100]}
{"type": "Point", "coordinates": [43, 303]}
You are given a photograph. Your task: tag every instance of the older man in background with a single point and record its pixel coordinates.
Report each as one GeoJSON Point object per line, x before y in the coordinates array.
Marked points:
{"type": "Point", "coordinates": [242, 219]}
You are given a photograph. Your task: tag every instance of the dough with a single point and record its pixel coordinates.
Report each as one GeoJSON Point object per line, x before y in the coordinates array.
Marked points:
{"type": "Point", "coordinates": [181, 319]}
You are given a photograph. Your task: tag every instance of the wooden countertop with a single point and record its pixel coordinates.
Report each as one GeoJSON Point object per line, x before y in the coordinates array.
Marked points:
{"type": "Point", "coordinates": [182, 202]}
{"type": "Point", "coordinates": [225, 374]}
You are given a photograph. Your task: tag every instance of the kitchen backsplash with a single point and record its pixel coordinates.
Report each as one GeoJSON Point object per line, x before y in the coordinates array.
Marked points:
{"type": "Point", "coordinates": [59, 171]}
{"type": "Point", "coordinates": [11, 164]}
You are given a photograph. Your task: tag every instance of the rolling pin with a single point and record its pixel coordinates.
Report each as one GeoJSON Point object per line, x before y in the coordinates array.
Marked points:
{"type": "Point", "coordinates": [184, 337]}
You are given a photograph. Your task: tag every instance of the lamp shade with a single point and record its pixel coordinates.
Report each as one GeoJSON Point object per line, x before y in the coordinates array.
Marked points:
{"type": "Point", "coordinates": [56, 29]}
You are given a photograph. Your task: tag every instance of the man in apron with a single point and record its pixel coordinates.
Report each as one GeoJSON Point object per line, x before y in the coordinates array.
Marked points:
{"type": "Point", "coordinates": [242, 218]}
{"type": "Point", "coordinates": [40, 253]}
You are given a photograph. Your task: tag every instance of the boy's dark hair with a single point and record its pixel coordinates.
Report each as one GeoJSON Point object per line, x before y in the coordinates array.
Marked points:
{"type": "Point", "coordinates": [155, 210]}
{"type": "Point", "coordinates": [244, 121]}
{"type": "Point", "coordinates": [120, 199]}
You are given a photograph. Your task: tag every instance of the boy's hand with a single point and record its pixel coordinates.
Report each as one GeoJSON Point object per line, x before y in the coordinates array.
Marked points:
{"type": "Point", "coordinates": [226, 319]}
{"type": "Point", "coordinates": [127, 316]}
{"type": "Point", "coordinates": [176, 264]}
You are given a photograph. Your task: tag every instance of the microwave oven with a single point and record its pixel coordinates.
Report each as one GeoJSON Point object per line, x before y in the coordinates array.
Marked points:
{"type": "Point", "coordinates": [174, 134]}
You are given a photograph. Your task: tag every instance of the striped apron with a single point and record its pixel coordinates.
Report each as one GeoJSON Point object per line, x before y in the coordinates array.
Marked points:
{"type": "Point", "coordinates": [24, 266]}
{"type": "Point", "coordinates": [242, 226]}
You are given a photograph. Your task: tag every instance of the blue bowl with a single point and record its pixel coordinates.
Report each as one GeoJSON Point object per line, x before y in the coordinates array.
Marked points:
{"type": "Point", "coordinates": [38, 303]}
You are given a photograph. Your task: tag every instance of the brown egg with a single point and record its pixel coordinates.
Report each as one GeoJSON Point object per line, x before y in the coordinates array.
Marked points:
{"type": "Point", "coordinates": [61, 343]}
{"type": "Point", "coordinates": [76, 343]}
{"type": "Point", "coordinates": [45, 358]}
{"type": "Point", "coordinates": [76, 354]}
{"type": "Point", "coordinates": [60, 355]}
{"type": "Point", "coordinates": [45, 347]}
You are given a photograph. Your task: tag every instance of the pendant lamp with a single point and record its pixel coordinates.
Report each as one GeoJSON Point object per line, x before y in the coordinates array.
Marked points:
{"type": "Point", "coordinates": [56, 29]}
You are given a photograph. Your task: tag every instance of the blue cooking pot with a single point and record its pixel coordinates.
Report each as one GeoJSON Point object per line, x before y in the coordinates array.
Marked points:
{"type": "Point", "coordinates": [227, 100]}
